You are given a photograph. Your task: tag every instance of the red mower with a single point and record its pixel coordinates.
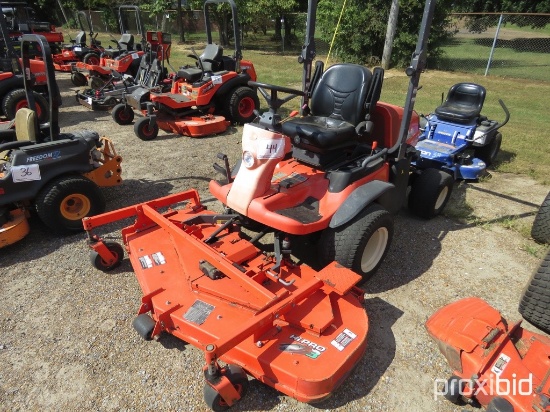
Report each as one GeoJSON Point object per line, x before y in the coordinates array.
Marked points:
{"type": "Point", "coordinates": [78, 50]}
{"type": "Point", "coordinates": [497, 364]}
{"type": "Point", "coordinates": [204, 99]}
{"type": "Point", "coordinates": [207, 282]}
{"type": "Point", "coordinates": [125, 59]}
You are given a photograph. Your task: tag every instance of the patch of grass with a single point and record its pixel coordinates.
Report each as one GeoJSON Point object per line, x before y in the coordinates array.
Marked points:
{"type": "Point", "coordinates": [538, 251]}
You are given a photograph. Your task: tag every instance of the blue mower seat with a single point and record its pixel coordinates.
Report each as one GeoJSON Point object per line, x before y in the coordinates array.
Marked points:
{"type": "Point", "coordinates": [463, 104]}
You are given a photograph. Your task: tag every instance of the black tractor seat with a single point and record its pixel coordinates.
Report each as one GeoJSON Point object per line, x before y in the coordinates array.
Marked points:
{"type": "Point", "coordinates": [80, 40]}
{"type": "Point", "coordinates": [211, 60]}
{"type": "Point", "coordinates": [126, 44]}
{"type": "Point", "coordinates": [463, 103]}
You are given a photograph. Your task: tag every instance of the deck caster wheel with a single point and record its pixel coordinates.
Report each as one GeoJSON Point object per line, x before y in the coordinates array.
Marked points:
{"type": "Point", "coordinates": [144, 325]}
{"type": "Point", "coordinates": [454, 389]}
{"type": "Point", "coordinates": [144, 130]}
{"type": "Point", "coordinates": [237, 376]}
{"type": "Point", "coordinates": [499, 404]}
{"type": "Point", "coordinates": [122, 114]}
{"type": "Point", "coordinates": [100, 264]}
{"type": "Point", "coordinates": [79, 79]}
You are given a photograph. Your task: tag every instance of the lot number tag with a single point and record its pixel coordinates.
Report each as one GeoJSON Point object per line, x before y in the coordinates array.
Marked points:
{"type": "Point", "coordinates": [25, 173]}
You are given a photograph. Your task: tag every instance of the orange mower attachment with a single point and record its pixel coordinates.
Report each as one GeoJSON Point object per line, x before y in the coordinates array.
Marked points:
{"type": "Point", "coordinates": [499, 365]}
{"type": "Point", "coordinates": [205, 282]}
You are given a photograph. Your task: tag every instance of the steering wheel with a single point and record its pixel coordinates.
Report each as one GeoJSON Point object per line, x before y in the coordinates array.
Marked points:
{"type": "Point", "coordinates": [273, 101]}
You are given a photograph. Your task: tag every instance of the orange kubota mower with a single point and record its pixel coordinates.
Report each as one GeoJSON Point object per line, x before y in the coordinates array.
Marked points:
{"type": "Point", "coordinates": [497, 364]}
{"type": "Point", "coordinates": [204, 99]}
{"type": "Point", "coordinates": [207, 282]}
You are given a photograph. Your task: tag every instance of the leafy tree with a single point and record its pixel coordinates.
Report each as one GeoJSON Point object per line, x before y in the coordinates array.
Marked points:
{"type": "Point", "coordinates": [361, 34]}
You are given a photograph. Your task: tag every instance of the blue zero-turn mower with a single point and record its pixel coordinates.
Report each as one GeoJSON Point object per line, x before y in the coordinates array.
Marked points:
{"type": "Point", "coordinates": [457, 138]}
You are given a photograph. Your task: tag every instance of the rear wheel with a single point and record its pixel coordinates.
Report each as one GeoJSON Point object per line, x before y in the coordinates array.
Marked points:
{"type": "Point", "coordinates": [79, 79]}
{"type": "Point", "coordinates": [430, 192]}
{"type": "Point", "coordinates": [489, 153]}
{"type": "Point", "coordinates": [95, 82]}
{"type": "Point", "coordinates": [237, 376]}
{"type": "Point", "coordinates": [144, 130]}
{"type": "Point", "coordinates": [100, 264]}
{"type": "Point", "coordinates": [91, 58]}
{"type": "Point", "coordinates": [17, 99]}
{"type": "Point", "coordinates": [535, 301]}
{"type": "Point", "coordinates": [540, 231]}
{"type": "Point", "coordinates": [122, 114]}
{"type": "Point", "coordinates": [64, 201]}
{"type": "Point", "coordinates": [361, 244]}
{"type": "Point", "coordinates": [242, 103]}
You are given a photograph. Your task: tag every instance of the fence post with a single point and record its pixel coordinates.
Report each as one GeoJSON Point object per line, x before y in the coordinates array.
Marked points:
{"type": "Point", "coordinates": [494, 45]}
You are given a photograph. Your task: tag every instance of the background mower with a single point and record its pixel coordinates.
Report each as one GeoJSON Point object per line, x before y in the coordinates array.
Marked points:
{"type": "Point", "coordinates": [457, 138]}
{"type": "Point", "coordinates": [152, 74]}
{"type": "Point", "coordinates": [208, 283]}
{"type": "Point", "coordinates": [203, 99]}
{"type": "Point", "coordinates": [56, 174]}
{"type": "Point", "coordinates": [79, 50]}
{"type": "Point", "coordinates": [497, 364]}
{"type": "Point", "coordinates": [125, 59]}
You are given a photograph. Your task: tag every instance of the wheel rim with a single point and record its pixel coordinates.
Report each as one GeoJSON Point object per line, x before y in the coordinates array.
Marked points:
{"type": "Point", "coordinates": [123, 115]}
{"type": "Point", "coordinates": [146, 130]}
{"type": "Point", "coordinates": [441, 198]}
{"type": "Point", "coordinates": [374, 249]}
{"type": "Point", "coordinates": [94, 61]}
{"type": "Point", "coordinates": [23, 104]}
{"type": "Point", "coordinates": [246, 107]}
{"type": "Point", "coordinates": [238, 388]}
{"type": "Point", "coordinates": [75, 206]}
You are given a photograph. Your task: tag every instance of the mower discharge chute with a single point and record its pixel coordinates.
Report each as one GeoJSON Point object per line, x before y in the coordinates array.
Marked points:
{"type": "Point", "coordinates": [56, 174]}
{"type": "Point", "coordinates": [151, 75]}
{"type": "Point", "coordinates": [125, 59]}
{"type": "Point", "coordinates": [207, 281]}
{"type": "Point", "coordinates": [457, 138]}
{"type": "Point", "coordinates": [78, 50]}
{"type": "Point", "coordinates": [204, 99]}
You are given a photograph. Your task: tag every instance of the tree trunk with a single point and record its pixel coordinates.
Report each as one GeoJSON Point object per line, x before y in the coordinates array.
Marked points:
{"type": "Point", "coordinates": [390, 34]}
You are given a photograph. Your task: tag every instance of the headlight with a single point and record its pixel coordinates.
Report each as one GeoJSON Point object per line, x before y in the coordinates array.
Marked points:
{"type": "Point", "coordinates": [248, 159]}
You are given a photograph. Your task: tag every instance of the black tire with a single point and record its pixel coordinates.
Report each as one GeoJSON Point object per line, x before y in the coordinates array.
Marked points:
{"type": "Point", "coordinates": [430, 192]}
{"type": "Point", "coordinates": [91, 58]}
{"type": "Point", "coordinates": [454, 390]}
{"type": "Point", "coordinates": [17, 99]}
{"type": "Point", "coordinates": [499, 404]}
{"type": "Point", "coordinates": [95, 82]}
{"type": "Point", "coordinates": [79, 79]}
{"type": "Point", "coordinates": [540, 231]}
{"type": "Point", "coordinates": [237, 376]}
{"type": "Point", "coordinates": [242, 102]}
{"type": "Point", "coordinates": [104, 266]}
{"type": "Point", "coordinates": [534, 305]}
{"type": "Point", "coordinates": [144, 131]}
{"type": "Point", "coordinates": [64, 201]}
{"type": "Point", "coordinates": [122, 114]}
{"type": "Point", "coordinates": [361, 244]}
{"type": "Point", "coordinates": [489, 152]}
{"type": "Point", "coordinates": [144, 325]}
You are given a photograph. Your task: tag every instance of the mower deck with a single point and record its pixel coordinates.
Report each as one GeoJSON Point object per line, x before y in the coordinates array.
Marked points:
{"type": "Point", "coordinates": [295, 329]}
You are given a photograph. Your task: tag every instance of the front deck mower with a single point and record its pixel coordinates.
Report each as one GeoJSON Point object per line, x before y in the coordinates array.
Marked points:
{"type": "Point", "coordinates": [204, 99]}
{"type": "Point", "coordinates": [206, 280]}
{"type": "Point", "coordinates": [457, 138]}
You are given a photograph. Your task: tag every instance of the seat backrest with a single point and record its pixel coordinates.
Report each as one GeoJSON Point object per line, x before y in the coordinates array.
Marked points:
{"type": "Point", "coordinates": [341, 93]}
{"type": "Point", "coordinates": [212, 52]}
{"type": "Point", "coordinates": [144, 67]}
{"type": "Point", "coordinates": [25, 124]}
{"type": "Point", "coordinates": [80, 39]}
{"type": "Point", "coordinates": [467, 94]}
{"type": "Point", "coordinates": [155, 73]}
{"type": "Point", "coordinates": [127, 41]}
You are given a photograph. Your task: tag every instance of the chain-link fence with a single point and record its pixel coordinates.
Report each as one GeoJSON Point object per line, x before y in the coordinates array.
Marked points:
{"type": "Point", "coordinates": [512, 45]}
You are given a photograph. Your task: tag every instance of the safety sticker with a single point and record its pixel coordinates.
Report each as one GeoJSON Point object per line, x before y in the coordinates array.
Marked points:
{"type": "Point", "coordinates": [500, 364]}
{"type": "Point", "coordinates": [198, 312]}
{"type": "Point", "coordinates": [216, 79]}
{"type": "Point", "coordinates": [135, 56]}
{"type": "Point", "coordinates": [270, 148]}
{"type": "Point", "coordinates": [146, 262]}
{"type": "Point", "coordinates": [158, 258]}
{"type": "Point", "coordinates": [343, 339]}
{"type": "Point", "coordinates": [25, 173]}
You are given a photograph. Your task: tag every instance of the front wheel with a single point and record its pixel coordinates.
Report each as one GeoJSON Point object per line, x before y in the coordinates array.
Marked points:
{"type": "Point", "coordinates": [91, 59]}
{"type": "Point", "coordinates": [79, 79]}
{"type": "Point", "coordinates": [242, 103]}
{"type": "Point", "coordinates": [17, 99]}
{"type": "Point", "coordinates": [144, 130]}
{"type": "Point", "coordinates": [64, 201]}
{"type": "Point", "coordinates": [430, 192]}
{"type": "Point", "coordinates": [361, 244]}
{"type": "Point", "coordinates": [122, 114]}
{"type": "Point", "coordinates": [540, 231]}
{"type": "Point", "coordinates": [237, 376]}
{"type": "Point", "coordinates": [100, 264]}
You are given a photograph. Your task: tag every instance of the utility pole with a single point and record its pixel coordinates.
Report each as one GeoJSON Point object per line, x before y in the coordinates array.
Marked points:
{"type": "Point", "coordinates": [390, 34]}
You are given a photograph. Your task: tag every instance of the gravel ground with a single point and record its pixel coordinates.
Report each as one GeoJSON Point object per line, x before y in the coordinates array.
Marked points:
{"type": "Point", "coordinates": [66, 341]}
